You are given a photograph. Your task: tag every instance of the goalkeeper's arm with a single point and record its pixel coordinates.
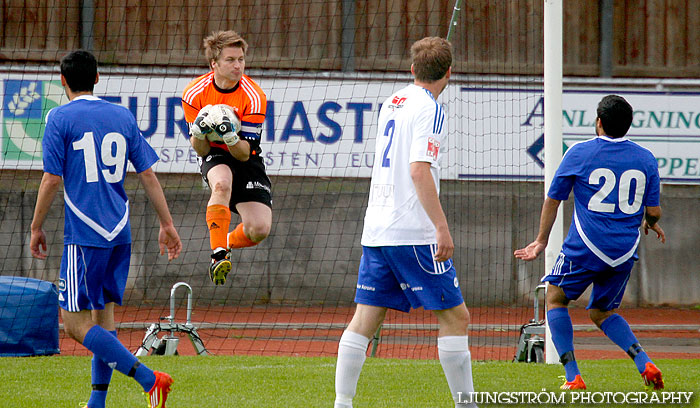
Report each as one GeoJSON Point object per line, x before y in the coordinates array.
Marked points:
{"type": "Point", "coordinates": [198, 132]}
{"type": "Point", "coordinates": [228, 128]}
{"type": "Point", "coordinates": [201, 146]}
{"type": "Point", "coordinates": [240, 151]}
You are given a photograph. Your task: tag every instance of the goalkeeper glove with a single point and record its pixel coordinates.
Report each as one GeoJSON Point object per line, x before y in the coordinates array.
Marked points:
{"type": "Point", "coordinates": [200, 128]}
{"type": "Point", "coordinates": [225, 123]}
{"type": "Point", "coordinates": [227, 132]}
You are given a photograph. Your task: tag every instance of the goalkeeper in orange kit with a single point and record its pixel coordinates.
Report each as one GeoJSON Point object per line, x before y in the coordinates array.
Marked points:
{"type": "Point", "coordinates": [229, 149]}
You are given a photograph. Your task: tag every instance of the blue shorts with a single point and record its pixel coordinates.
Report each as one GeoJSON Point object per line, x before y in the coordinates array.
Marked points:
{"type": "Point", "coordinates": [405, 277]}
{"type": "Point", "coordinates": [608, 286]}
{"type": "Point", "coordinates": [92, 277]}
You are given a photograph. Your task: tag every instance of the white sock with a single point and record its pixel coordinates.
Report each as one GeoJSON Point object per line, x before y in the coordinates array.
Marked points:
{"type": "Point", "coordinates": [456, 361]}
{"type": "Point", "coordinates": [352, 351]}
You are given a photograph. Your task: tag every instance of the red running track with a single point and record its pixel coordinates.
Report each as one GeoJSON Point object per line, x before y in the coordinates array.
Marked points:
{"type": "Point", "coordinates": [292, 331]}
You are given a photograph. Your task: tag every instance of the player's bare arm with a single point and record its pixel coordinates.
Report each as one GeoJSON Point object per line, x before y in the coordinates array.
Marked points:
{"type": "Point", "coordinates": [47, 192]}
{"type": "Point", "coordinates": [652, 215]}
{"type": "Point", "coordinates": [240, 151]}
{"type": "Point", "coordinates": [168, 237]}
{"type": "Point", "coordinates": [429, 199]}
{"type": "Point", "coordinates": [547, 217]}
{"type": "Point", "coordinates": [200, 146]}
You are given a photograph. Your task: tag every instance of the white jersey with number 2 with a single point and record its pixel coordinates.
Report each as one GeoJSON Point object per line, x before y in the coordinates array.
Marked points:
{"type": "Point", "coordinates": [411, 128]}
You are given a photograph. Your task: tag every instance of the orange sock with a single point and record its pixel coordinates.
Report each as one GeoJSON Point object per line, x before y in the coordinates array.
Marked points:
{"type": "Point", "coordinates": [237, 238]}
{"type": "Point", "coordinates": [218, 221]}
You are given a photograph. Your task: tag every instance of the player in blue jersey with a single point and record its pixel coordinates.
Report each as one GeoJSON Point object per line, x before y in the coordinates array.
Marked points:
{"type": "Point", "coordinates": [616, 189]}
{"type": "Point", "coordinates": [406, 243]}
{"type": "Point", "coordinates": [87, 144]}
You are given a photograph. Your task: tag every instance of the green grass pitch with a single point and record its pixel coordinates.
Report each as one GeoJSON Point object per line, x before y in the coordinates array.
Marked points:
{"type": "Point", "coordinates": [257, 382]}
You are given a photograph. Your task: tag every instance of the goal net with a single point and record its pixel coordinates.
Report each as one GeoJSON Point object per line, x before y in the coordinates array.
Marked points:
{"type": "Point", "coordinates": [326, 67]}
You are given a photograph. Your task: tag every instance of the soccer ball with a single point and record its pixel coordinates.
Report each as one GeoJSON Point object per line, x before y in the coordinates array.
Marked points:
{"type": "Point", "coordinates": [218, 115]}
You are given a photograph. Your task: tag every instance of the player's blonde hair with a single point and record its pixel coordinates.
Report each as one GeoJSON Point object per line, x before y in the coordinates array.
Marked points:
{"type": "Point", "coordinates": [218, 40]}
{"type": "Point", "coordinates": [431, 58]}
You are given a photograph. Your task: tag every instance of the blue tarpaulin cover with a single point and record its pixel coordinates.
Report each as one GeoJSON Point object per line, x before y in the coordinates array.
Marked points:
{"type": "Point", "coordinates": [28, 317]}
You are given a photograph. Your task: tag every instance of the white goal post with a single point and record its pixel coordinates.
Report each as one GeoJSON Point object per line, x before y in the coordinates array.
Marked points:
{"type": "Point", "coordinates": [553, 61]}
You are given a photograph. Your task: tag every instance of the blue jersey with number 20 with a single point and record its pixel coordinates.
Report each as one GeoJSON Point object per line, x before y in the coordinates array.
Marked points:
{"type": "Point", "coordinates": [613, 180]}
{"type": "Point", "coordinates": [88, 142]}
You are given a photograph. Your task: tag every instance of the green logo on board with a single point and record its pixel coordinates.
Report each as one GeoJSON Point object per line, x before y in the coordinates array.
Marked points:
{"type": "Point", "coordinates": [25, 105]}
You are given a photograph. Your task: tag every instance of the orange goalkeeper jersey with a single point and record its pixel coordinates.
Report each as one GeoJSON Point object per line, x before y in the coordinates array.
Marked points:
{"type": "Point", "coordinates": [246, 96]}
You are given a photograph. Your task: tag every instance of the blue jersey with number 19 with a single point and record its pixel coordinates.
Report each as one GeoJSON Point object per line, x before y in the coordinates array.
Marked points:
{"type": "Point", "coordinates": [88, 142]}
{"type": "Point", "coordinates": [613, 180]}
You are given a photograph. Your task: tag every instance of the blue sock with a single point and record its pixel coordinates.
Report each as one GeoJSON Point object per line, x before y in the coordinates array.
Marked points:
{"type": "Point", "coordinates": [563, 338]}
{"type": "Point", "coordinates": [617, 330]}
{"type": "Point", "coordinates": [101, 377]}
{"type": "Point", "coordinates": [108, 349]}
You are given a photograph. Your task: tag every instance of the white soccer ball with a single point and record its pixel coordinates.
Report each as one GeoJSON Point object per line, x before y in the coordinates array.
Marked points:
{"type": "Point", "coordinates": [219, 114]}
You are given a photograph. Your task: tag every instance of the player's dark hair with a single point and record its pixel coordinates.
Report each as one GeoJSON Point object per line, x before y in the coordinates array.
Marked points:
{"type": "Point", "coordinates": [79, 68]}
{"type": "Point", "coordinates": [615, 115]}
{"type": "Point", "coordinates": [218, 40]}
{"type": "Point", "coordinates": [431, 58]}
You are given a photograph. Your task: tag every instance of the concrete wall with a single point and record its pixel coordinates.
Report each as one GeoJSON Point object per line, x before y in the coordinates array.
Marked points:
{"type": "Point", "coordinates": [313, 252]}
